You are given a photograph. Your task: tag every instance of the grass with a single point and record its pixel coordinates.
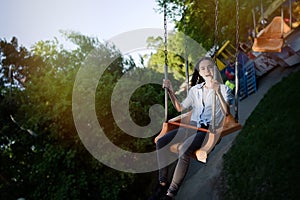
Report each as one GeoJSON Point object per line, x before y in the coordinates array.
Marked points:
{"type": "Point", "coordinates": [263, 162]}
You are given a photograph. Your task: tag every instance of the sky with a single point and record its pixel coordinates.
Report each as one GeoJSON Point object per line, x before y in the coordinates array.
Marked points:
{"type": "Point", "coordinates": [34, 20]}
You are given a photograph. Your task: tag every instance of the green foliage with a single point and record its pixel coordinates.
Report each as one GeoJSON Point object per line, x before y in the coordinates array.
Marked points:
{"type": "Point", "coordinates": [54, 164]}
{"type": "Point", "coordinates": [180, 47]}
{"type": "Point", "coordinates": [14, 59]}
{"type": "Point", "coordinates": [16, 144]}
{"type": "Point", "coordinates": [201, 17]}
{"type": "Point", "coordinates": [263, 162]}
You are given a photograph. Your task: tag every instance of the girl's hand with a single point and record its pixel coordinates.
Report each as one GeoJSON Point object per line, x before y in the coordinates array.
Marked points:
{"type": "Point", "coordinates": [215, 85]}
{"type": "Point", "coordinates": [167, 84]}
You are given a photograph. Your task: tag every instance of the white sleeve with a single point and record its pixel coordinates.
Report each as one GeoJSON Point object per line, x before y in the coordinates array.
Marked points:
{"type": "Point", "coordinates": [188, 101]}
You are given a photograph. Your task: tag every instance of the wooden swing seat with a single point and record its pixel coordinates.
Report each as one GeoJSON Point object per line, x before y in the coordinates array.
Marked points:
{"type": "Point", "coordinates": [271, 38]}
{"type": "Point", "coordinates": [230, 126]}
{"type": "Point", "coordinates": [267, 45]}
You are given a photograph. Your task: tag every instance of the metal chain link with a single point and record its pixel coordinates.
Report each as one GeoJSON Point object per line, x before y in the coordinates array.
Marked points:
{"type": "Point", "coordinates": [236, 60]}
{"type": "Point", "coordinates": [213, 121]}
{"type": "Point", "coordinates": [186, 48]}
{"type": "Point", "coordinates": [166, 58]}
{"type": "Point", "coordinates": [216, 24]}
{"type": "Point", "coordinates": [237, 28]}
{"type": "Point", "coordinates": [165, 33]}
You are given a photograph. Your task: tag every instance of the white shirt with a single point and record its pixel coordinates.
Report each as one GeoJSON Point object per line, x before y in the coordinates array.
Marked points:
{"type": "Point", "coordinates": [202, 108]}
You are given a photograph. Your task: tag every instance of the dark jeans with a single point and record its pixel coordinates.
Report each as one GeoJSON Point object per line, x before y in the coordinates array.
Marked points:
{"type": "Point", "coordinates": [190, 140]}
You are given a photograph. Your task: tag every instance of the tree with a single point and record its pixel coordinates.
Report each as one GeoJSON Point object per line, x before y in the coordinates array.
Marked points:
{"type": "Point", "coordinates": [52, 162]}
{"type": "Point", "coordinates": [200, 17]}
{"type": "Point", "coordinates": [180, 47]}
{"type": "Point", "coordinates": [16, 142]}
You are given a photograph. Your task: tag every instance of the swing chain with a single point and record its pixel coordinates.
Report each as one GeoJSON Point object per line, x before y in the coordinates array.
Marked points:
{"type": "Point", "coordinates": [216, 25]}
{"type": "Point", "coordinates": [237, 29]}
{"type": "Point", "coordinates": [165, 33]}
{"type": "Point", "coordinates": [236, 61]}
{"type": "Point", "coordinates": [185, 47]}
{"type": "Point", "coordinates": [166, 58]}
{"type": "Point", "coordinates": [213, 122]}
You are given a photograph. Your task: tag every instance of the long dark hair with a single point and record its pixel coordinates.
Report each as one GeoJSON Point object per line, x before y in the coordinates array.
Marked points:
{"type": "Point", "coordinates": [196, 78]}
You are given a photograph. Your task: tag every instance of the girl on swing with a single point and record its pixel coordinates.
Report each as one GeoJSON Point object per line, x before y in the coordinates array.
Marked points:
{"type": "Point", "coordinates": [200, 100]}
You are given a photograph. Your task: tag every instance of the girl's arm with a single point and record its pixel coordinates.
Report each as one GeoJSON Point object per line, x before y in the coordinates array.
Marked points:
{"type": "Point", "coordinates": [224, 105]}
{"type": "Point", "coordinates": [167, 84]}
